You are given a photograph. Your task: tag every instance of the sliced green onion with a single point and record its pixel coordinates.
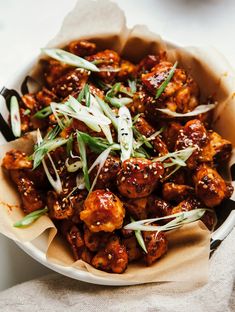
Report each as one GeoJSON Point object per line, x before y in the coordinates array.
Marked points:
{"type": "Point", "coordinates": [139, 238]}
{"type": "Point", "coordinates": [27, 112]}
{"type": "Point", "coordinates": [163, 86]}
{"type": "Point", "coordinates": [70, 59]}
{"type": "Point", "coordinates": [43, 113]}
{"type": "Point", "coordinates": [101, 159]}
{"type": "Point", "coordinates": [125, 133]}
{"type": "Point", "coordinates": [15, 116]}
{"type": "Point", "coordinates": [108, 112]}
{"type": "Point", "coordinates": [30, 218]}
{"type": "Point", "coordinates": [55, 183]}
{"type": "Point", "coordinates": [46, 145]}
{"type": "Point", "coordinates": [201, 109]}
{"type": "Point", "coordinates": [179, 220]}
{"type": "Point", "coordinates": [69, 144]}
{"type": "Point", "coordinates": [140, 139]}
{"type": "Point", "coordinates": [132, 85]}
{"type": "Point", "coordinates": [119, 102]}
{"type": "Point", "coordinates": [75, 166]}
{"type": "Point", "coordinates": [82, 151]}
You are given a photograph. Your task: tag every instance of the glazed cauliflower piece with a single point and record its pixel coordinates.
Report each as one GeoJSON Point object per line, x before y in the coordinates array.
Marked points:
{"type": "Point", "coordinates": [113, 258]}
{"type": "Point", "coordinates": [138, 177]}
{"type": "Point", "coordinates": [103, 211]}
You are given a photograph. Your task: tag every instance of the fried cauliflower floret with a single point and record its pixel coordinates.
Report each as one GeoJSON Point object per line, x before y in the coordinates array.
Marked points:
{"type": "Point", "coordinates": [53, 70]}
{"type": "Point", "coordinates": [156, 245]}
{"type": "Point", "coordinates": [106, 59]}
{"type": "Point", "coordinates": [103, 211]}
{"type": "Point", "coordinates": [71, 82]}
{"type": "Point", "coordinates": [157, 207]}
{"type": "Point", "coordinates": [176, 192]}
{"type": "Point", "coordinates": [136, 207]}
{"type": "Point", "coordinates": [113, 258]}
{"type": "Point", "coordinates": [95, 241]}
{"type": "Point", "coordinates": [127, 70]}
{"type": "Point", "coordinates": [59, 207]}
{"type": "Point", "coordinates": [193, 134]}
{"type": "Point", "coordinates": [108, 173]}
{"type": "Point", "coordinates": [180, 94]}
{"type": "Point", "coordinates": [15, 159]}
{"type": "Point", "coordinates": [31, 197]}
{"type": "Point", "coordinates": [139, 100]}
{"type": "Point", "coordinates": [147, 130]}
{"type": "Point", "coordinates": [133, 250]}
{"type": "Point", "coordinates": [151, 60]}
{"type": "Point", "coordinates": [170, 134]}
{"type": "Point", "coordinates": [81, 47]}
{"type": "Point", "coordinates": [217, 149]}
{"type": "Point", "coordinates": [138, 177]}
{"type": "Point", "coordinates": [210, 187]}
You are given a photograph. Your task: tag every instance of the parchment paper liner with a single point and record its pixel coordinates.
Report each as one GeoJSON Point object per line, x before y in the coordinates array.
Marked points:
{"type": "Point", "coordinates": [104, 22]}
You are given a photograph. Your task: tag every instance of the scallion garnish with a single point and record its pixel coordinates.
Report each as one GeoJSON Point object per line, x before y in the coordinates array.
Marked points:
{"type": "Point", "coordinates": [70, 59]}
{"type": "Point", "coordinates": [108, 112]}
{"type": "Point", "coordinates": [27, 112]}
{"type": "Point", "coordinates": [43, 113]}
{"type": "Point", "coordinates": [15, 116]}
{"type": "Point", "coordinates": [48, 144]}
{"type": "Point", "coordinates": [82, 151]}
{"type": "Point", "coordinates": [179, 220]}
{"type": "Point", "coordinates": [30, 218]}
{"type": "Point", "coordinates": [125, 133]}
{"type": "Point", "coordinates": [118, 101]}
{"type": "Point", "coordinates": [163, 86]}
{"type": "Point", "coordinates": [139, 238]}
{"type": "Point", "coordinates": [201, 109]}
{"type": "Point", "coordinates": [75, 166]}
{"type": "Point", "coordinates": [132, 86]}
{"type": "Point", "coordinates": [100, 161]}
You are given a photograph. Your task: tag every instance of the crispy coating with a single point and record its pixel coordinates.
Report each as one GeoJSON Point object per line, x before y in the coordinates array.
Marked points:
{"type": "Point", "coordinates": [31, 198]}
{"type": "Point", "coordinates": [156, 245]}
{"type": "Point", "coordinates": [24, 121]}
{"type": "Point", "coordinates": [210, 187]}
{"type": "Point", "coordinates": [133, 250]}
{"type": "Point", "coordinates": [147, 130]}
{"type": "Point", "coordinates": [53, 70]}
{"type": "Point", "coordinates": [81, 47]}
{"type": "Point", "coordinates": [127, 70]}
{"type": "Point", "coordinates": [136, 207]}
{"type": "Point", "coordinates": [170, 134]}
{"type": "Point", "coordinates": [138, 177]}
{"type": "Point", "coordinates": [59, 207]}
{"type": "Point", "coordinates": [107, 59]}
{"type": "Point", "coordinates": [180, 94]}
{"type": "Point", "coordinates": [103, 211]}
{"type": "Point", "coordinates": [15, 159]}
{"type": "Point", "coordinates": [95, 241]}
{"type": "Point", "coordinates": [217, 149]}
{"type": "Point", "coordinates": [108, 173]}
{"type": "Point", "coordinates": [139, 101]}
{"type": "Point", "coordinates": [193, 134]}
{"type": "Point", "coordinates": [157, 207]}
{"type": "Point", "coordinates": [71, 82]}
{"type": "Point", "coordinates": [113, 258]}
{"type": "Point", "coordinates": [187, 204]}
{"type": "Point", "coordinates": [176, 192]}
{"type": "Point", "coordinates": [149, 61]}
{"type": "Point", "coordinates": [76, 242]}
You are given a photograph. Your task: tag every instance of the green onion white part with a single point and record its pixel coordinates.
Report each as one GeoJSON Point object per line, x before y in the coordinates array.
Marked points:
{"type": "Point", "coordinates": [125, 133]}
{"type": "Point", "coordinates": [108, 111]}
{"type": "Point", "coordinates": [139, 238]}
{"type": "Point", "coordinates": [201, 109]}
{"type": "Point", "coordinates": [30, 218]}
{"type": "Point", "coordinates": [70, 59]}
{"type": "Point", "coordinates": [179, 220]}
{"type": "Point", "coordinates": [15, 116]}
{"type": "Point", "coordinates": [100, 161]}
{"type": "Point", "coordinates": [55, 183]}
{"type": "Point", "coordinates": [75, 166]}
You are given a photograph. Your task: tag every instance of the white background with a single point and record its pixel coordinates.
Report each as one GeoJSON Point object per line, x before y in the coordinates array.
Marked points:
{"type": "Point", "coordinates": [27, 25]}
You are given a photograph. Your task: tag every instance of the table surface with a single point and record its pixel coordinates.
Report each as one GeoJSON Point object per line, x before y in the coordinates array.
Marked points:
{"type": "Point", "coordinates": [26, 26]}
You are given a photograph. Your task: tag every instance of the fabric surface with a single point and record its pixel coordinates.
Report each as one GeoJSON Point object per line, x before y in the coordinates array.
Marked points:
{"type": "Point", "coordinates": [58, 293]}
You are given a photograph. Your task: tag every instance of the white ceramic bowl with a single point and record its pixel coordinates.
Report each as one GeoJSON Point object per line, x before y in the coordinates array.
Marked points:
{"type": "Point", "coordinates": [36, 249]}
